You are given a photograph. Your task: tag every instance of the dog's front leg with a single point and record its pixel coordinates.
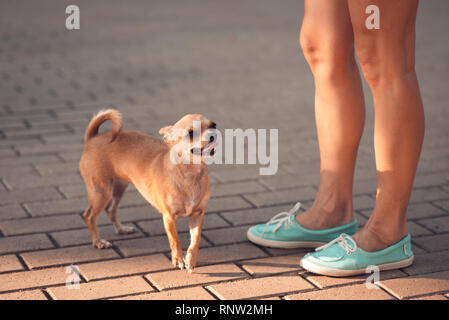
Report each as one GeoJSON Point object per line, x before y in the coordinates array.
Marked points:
{"type": "Point", "coordinates": [172, 234]}
{"type": "Point", "coordinates": [195, 226]}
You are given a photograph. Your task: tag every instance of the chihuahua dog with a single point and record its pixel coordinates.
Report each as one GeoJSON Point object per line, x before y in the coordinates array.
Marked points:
{"type": "Point", "coordinates": [169, 173]}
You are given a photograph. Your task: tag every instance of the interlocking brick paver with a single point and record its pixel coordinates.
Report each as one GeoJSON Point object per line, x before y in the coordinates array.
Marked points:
{"type": "Point", "coordinates": [234, 173]}
{"type": "Point", "coordinates": [82, 236]}
{"type": "Point", "coordinates": [11, 172]}
{"type": "Point", "coordinates": [20, 161]}
{"type": "Point", "coordinates": [287, 181]}
{"type": "Point", "coordinates": [351, 292]}
{"type": "Point", "coordinates": [12, 211]}
{"type": "Point", "coordinates": [443, 204]}
{"type": "Point", "coordinates": [259, 287]}
{"type": "Point", "coordinates": [193, 293]}
{"type": "Point", "coordinates": [135, 247]}
{"type": "Point", "coordinates": [282, 252]}
{"type": "Point", "coordinates": [49, 148]}
{"type": "Point", "coordinates": [102, 289]}
{"type": "Point", "coordinates": [132, 199]}
{"type": "Point", "coordinates": [232, 252]}
{"type": "Point", "coordinates": [71, 191]}
{"type": "Point", "coordinates": [432, 297]}
{"type": "Point", "coordinates": [417, 230]}
{"type": "Point", "coordinates": [45, 258]}
{"type": "Point", "coordinates": [134, 213]}
{"type": "Point", "coordinates": [60, 168]}
{"type": "Point", "coordinates": [272, 265]}
{"type": "Point", "coordinates": [439, 262]}
{"type": "Point", "coordinates": [254, 216]}
{"type": "Point", "coordinates": [363, 202]}
{"type": "Point", "coordinates": [298, 168]}
{"type": "Point", "coordinates": [323, 282]}
{"type": "Point", "coordinates": [20, 142]}
{"type": "Point", "coordinates": [227, 235]}
{"type": "Point", "coordinates": [42, 224]}
{"type": "Point", "coordinates": [32, 279]}
{"type": "Point", "coordinates": [42, 181]}
{"type": "Point", "coordinates": [226, 189]}
{"type": "Point", "coordinates": [24, 295]}
{"type": "Point", "coordinates": [24, 243]}
{"type": "Point", "coordinates": [427, 194]}
{"type": "Point", "coordinates": [437, 224]}
{"type": "Point", "coordinates": [56, 207]}
{"type": "Point", "coordinates": [126, 266]}
{"type": "Point", "coordinates": [368, 186]}
{"type": "Point", "coordinates": [417, 250]}
{"type": "Point", "coordinates": [200, 276]}
{"type": "Point", "coordinates": [431, 243]}
{"type": "Point", "coordinates": [417, 285]}
{"type": "Point", "coordinates": [227, 203]}
{"type": "Point", "coordinates": [431, 179]}
{"type": "Point", "coordinates": [34, 132]}
{"type": "Point", "coordinates": [7, 153]}
{"type": "Point", "coordinates": [282, 197]}
{"type": "Point", "coordinates": [10, 263]}
{"type": "Point", "coordinates": [34, 194]}
{"type": "Point", "coordinates": [423, 210]}
{"type": "Point", "coordinates": [70, 156]}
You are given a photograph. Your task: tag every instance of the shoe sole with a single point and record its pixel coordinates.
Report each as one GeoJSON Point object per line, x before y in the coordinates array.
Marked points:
{"type": "Point", "coordinates": [283, 244]}
{"type": "Point", "coordinates": [325, 271]}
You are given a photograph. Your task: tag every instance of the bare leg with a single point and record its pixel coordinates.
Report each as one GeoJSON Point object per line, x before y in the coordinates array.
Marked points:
{"type": "Point", "coordinates": [175, 246]}
{"type": "Point", "coordinates": [327, 42]}
{"type": "Point", "coordinates": [195, 226]}
{"type": "Point", "coordinates": [387, 60]}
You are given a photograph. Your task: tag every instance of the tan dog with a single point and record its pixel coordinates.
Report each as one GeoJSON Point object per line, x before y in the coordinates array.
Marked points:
{"type": "Point", "coordinates": [112, 160]}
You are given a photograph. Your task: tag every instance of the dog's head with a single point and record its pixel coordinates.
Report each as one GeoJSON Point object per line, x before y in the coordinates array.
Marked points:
{"type": "Point", "coordinates": [193, 135]}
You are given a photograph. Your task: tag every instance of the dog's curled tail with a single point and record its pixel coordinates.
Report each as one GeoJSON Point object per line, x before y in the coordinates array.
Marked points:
{"type": "Point", "coordinates": [110, 114]}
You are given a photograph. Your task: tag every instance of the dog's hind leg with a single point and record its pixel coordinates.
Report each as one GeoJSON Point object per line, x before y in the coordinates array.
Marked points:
{"type": "Point", "coordinates": [118, 191]}
{"type": "Point", "coordinates": [98, 200]}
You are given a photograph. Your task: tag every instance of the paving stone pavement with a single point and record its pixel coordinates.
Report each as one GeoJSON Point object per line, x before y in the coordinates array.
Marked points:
{"type": "Point", "coordinates": [237, 62]}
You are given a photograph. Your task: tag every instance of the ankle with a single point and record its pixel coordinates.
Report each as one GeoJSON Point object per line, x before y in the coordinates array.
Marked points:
{"type": "Point", "coordinates": [334, 207]}
{"type": "Point", "coordinates": [386, 233]}
{"type": "Point", "coordinates": [317, 217]}
{"type": "Point", "coordinates": [333, 199]}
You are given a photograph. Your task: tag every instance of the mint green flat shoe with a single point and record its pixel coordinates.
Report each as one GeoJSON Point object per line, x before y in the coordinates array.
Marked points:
{"type": "Point", "coordinates": [282, 231]}
{"type": "Point", "coordinates": [341, 257]}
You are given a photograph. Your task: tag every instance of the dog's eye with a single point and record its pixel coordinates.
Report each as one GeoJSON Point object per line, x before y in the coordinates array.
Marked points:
{"type": "Point", "coordinates": [191, 134]}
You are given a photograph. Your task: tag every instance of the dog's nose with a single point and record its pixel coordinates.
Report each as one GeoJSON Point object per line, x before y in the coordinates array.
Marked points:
{"type": "Point", "coordinates": [211, 138]}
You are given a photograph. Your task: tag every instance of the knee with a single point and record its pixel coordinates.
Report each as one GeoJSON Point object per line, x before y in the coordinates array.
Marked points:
{"type": "Point", "coordinates": [310, 48]}
{"type": "Point", "coordinates": [326, 57]}
{"type": "Point", "coordinates": [387, 68]}
{"type": "Point", "coordinates": [370, 64]}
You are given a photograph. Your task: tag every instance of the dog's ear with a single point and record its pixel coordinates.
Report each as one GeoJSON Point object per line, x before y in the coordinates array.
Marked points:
{"type": "Point", "coordinates": [167, 133]}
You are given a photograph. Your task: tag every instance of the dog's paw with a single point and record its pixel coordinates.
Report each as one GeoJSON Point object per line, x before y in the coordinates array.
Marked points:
{"type": "Point", "coordinates": [103, 244]}
{"type": "Point", "coordinates": [189, 262]}
{"type": "Point", "coordinates": [126, 230]}
{"type": "Point", "coordinates": [178, 262]}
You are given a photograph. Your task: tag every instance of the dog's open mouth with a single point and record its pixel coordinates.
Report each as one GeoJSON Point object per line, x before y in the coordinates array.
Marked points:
{"type": "Point", "coordinates": [208, 150]}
